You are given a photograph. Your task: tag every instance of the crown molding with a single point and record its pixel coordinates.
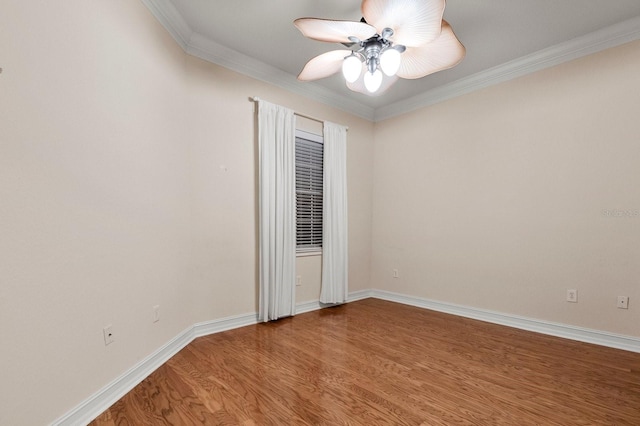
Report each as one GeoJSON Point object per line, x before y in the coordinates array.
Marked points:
{"type": "Point", "coordinates": [169, 17]}
{"type": "Point", "coordinates": [209, 50]}
{"type": "Point", "coordinates": [605, 38]}
{"type": "Point", "coordinates": [204, 48]}
{"type": "Point", "coordinates": [197, 45]}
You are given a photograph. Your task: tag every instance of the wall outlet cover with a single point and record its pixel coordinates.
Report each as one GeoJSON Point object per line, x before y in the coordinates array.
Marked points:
{"type": "Point", "coordinates": [623, 302]}
{"type": "Point", "coordinates": [108, 335]}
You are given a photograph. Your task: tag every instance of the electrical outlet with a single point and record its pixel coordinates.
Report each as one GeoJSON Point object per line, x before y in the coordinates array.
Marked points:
{"type": "Point", "coordinates": [395, 273]}
{"type": "Point", "coordinates": [156, 313]}
{"type": "Point", "coordinates": [108, 335]}
{"type": "Point", "coordinates": [298, 280]}
{"type": "Point", "coordinates": [572, 295]}
{"type": "Point", "coordinates": [623, 302]}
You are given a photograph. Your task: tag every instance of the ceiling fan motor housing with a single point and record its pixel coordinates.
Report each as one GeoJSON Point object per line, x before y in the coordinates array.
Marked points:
{"type": "Point", "coordinates": [372, 48]}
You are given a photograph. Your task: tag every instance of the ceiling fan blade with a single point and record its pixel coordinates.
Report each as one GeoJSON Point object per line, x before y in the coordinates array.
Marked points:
{"type": "Point", "coordinates": [323, 65]}
{"type": "Point", "coordinates": [444, 52]}
{"type": "Point", "coordinates": [333, 31]}
{"type": "Point", "coordinates": [358, 85]}
{"type": "Point", "coordinates": [414, 22]}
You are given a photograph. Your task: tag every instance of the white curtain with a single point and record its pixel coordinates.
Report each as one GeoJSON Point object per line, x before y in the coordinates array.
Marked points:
{"type": "Point", "coordinates": [276, 138]}
{"type": "Point", "coordinates": [334, 217]}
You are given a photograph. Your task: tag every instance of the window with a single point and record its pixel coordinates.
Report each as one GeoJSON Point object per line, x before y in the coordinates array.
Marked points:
{"type": "Point", "coordinates": [309, 153]}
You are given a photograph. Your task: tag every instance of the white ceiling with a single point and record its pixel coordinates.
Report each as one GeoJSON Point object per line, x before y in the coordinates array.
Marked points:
{"type": "Point", "coordinates": [504, 39]}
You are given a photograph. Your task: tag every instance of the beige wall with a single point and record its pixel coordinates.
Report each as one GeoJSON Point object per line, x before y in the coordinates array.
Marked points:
{"type": "Point", "coordinates": [127, 180]}
{"type": "Point", "coordinates": [223, 134]}
{"type": "Point", "coordinates": [94, 199]}
{"type": "Point", "coordinates": [494, 200]}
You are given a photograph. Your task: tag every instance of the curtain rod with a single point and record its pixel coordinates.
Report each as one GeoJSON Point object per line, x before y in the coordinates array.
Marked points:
{"type": "Point", "coordinates": [257, 99]}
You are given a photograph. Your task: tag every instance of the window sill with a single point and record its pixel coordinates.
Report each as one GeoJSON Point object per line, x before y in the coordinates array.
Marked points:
{"type": "Point", "coordinates": [309, 253]}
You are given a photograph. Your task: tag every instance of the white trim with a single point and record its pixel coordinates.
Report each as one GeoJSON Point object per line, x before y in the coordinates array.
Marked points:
{"type": "Point", "coordinates": [93, 406]}
{"type": "Point", "coordinates": [169, 17]}
{"type": "Point", "coordinates": [565, 331]}
{"type": "Point", "coordinates": [204, 48]}
{"type": "Point", "coordinates": [605, 38]}
{"type": "Point", "coordinates": [218, 54]}
{"type": "Point", "coordinates": [313, 137]}
{"type": "Point", "coordinates": [354, 296]}
{"type": "Point", "coordinates": [308, 253]}
{"type": "Point", "coordinates": [313, 305]}
{"type": "Point", "coordinates": [229, 323]}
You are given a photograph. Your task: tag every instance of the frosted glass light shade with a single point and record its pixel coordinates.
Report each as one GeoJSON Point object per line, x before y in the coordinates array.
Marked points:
{"type": "Point", "coordinates": [351, 68]}
{"type": "Point", "coordinates": [390, 62]}
{"type": "Point", "coordinates": [373, 81]}
{"type": "Point", "coordinates": [323, 65]}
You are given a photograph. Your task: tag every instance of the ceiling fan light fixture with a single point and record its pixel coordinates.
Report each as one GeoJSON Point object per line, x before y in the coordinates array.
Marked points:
{"type": "Point", "coordinates": [390, 61]}
{"type": "Point", "coordinates": [372, 81]}
{"type": "Point", "coordinates": [393, 39]}
{"type": "Point", "coordinates": [351, 68]}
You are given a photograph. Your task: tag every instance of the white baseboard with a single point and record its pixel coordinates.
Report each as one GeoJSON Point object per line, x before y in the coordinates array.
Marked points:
{"type": "Point", "coordinates": [314, 305]}
{"type": "Point", "coordinates": [107, 396]}
{"type": "Point", "coordinates": [304, 307]}
{"type": "Point", "coordinates": [359, 295]}
{"type": "Point", "coordinates": [602, 338]}
{"type": "Point", "coordinates": [229, 323]}
{"type": "Point", "coordinates": [93, 406]}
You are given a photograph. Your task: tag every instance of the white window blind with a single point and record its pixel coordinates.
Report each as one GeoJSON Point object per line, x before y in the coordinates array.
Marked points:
{"type": "Point", "coordinates": [309, 162]}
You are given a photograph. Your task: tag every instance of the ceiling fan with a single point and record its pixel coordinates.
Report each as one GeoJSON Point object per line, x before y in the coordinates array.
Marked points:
{"type": "Point", "coordinates": [394, 39]}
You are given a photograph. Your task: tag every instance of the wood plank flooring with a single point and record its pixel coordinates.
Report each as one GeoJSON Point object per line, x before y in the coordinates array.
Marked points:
{"type": "Point", "coordinates": [374, 362]}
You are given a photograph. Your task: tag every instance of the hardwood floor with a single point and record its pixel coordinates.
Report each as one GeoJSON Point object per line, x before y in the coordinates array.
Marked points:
{"type": "Point", "coordinates": [374, 362]}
